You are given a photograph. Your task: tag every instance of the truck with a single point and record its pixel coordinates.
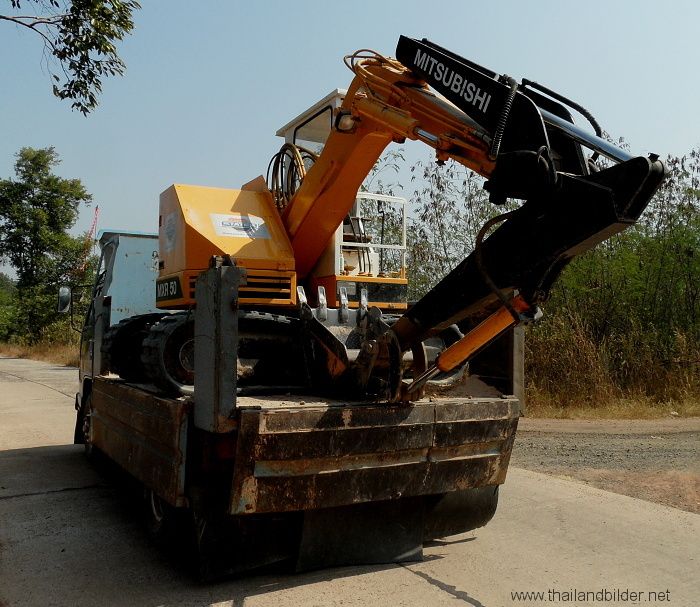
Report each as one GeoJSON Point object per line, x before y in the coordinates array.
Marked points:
{"type": "Point", "coordinates": [257, 367]}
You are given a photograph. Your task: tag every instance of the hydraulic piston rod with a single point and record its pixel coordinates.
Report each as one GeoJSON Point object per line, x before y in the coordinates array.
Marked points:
{"type": "Point", "coordinates": [481, 335]}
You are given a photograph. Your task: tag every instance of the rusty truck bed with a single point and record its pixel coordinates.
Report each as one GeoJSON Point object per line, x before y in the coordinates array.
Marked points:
{"type": "Point", "coordinates": [306, 453]}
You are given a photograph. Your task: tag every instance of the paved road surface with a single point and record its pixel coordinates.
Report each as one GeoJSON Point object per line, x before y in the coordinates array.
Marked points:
{"type": "Point", "coordinates": [66, 538]}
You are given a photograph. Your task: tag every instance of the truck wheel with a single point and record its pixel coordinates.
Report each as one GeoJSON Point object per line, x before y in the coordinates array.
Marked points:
{"type": "Point", "coordinates": [168, 354]}
{"type": "Point", "coordinates": [158, 514]}
{"type": "Point", "coordinates": [121, 346]}
{"type": "Point", "coordinates": [85, 422]}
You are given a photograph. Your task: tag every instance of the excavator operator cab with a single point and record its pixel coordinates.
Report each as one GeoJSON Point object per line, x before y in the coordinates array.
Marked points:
{"type": "Point", "coordinates": [311, 128]}
{"type": "Point", "coordinates": [367, 253]}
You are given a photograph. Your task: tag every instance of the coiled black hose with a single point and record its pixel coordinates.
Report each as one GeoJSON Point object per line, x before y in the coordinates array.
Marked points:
{"type": "Point", "coordinates": [572, 104]}
{"type": "Point", "coordinates": [503, 119]}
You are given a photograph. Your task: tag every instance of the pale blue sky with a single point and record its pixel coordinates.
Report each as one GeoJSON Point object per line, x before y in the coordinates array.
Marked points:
{"type": "Point", "coordinates": [209, 82]}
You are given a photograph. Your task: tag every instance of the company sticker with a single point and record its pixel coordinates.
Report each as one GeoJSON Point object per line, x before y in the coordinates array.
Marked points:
{"type": "Point", "coordinates": [169, 232]}
{"type": "Point", "coordinates": [239, 225]}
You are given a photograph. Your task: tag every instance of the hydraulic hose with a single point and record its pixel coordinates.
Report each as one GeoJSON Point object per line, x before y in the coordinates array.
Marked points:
{"type": "Point", "coordinates": [286, 171]}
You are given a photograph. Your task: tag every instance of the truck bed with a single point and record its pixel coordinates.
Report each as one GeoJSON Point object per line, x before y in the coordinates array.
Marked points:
{"type": "Point", "coordinates": [306, 453]}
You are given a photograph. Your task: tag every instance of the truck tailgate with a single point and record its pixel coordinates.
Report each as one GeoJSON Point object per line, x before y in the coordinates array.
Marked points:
{"type": "Point", "coordinates": [144, 433]}
{"type": "Point", "coordinates": [308, 456]}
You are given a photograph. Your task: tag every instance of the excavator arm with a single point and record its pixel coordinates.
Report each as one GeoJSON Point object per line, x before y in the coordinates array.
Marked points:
{"type": "Point", "coordinates": [384, 103]}
{"type": "Point", "coordinates": [522, 138]}
{"type": "Point", "coordinates": [570, 204]}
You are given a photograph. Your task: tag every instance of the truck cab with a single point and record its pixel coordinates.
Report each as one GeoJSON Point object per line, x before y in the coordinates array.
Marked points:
{"type": "Point", "coordinates": [124, 287]}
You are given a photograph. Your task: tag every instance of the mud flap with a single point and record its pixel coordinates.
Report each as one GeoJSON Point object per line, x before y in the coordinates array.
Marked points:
{"type": "Point", "coordinates": [227, 546]}
{"type": "Point", "coordinates": [459, 511]}
{"type": "Point", "coordinates": [363, 534]}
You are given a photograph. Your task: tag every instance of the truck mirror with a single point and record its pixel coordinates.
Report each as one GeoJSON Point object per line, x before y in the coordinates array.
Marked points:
{"type": "Point", "coordinates": [64, 299]}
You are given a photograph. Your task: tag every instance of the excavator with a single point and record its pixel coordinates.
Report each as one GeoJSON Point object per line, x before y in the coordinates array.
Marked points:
{"type": "Point", "coordinates": [288, 287]}
{"type": "Point", "coordinates": [519, 136]}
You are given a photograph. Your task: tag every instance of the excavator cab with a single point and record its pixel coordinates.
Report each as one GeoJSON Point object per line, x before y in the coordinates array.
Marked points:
{"type": "Point", "coordinates": [367, 252]}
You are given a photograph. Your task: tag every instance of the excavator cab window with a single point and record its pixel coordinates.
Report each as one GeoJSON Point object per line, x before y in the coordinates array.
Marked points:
{"type": "Point", "coordinates": [313, 132]}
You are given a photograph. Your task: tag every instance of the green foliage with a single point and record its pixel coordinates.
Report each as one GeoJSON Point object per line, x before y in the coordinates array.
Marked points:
{"type": "Point", "coordinates": [36, 210]}
{"type": "Point", "coordinates": [8, 294]}
{"type": "Point", "coordinates": [7, 288]}
{"type": "Point", "coordinates": [449, 207]}
{"type": "Point", "coordinates": [388, 165]}
{"type": "Point", "coordinates": [80, 37]}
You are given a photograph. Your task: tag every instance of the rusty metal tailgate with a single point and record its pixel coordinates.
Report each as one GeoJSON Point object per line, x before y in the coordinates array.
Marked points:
{"type": "Point", "coordinates": [309, 456]}
{"type": "Point", "coordinates": [144, 433]}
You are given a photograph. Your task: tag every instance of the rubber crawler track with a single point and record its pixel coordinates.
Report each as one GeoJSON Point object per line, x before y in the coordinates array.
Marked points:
{"type": "Point", "coordinates": [158, 358]}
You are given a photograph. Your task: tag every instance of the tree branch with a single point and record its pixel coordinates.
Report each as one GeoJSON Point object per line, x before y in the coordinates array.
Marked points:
{"type": "Point", "coordinates": [30, 26]}
{"type": "Point", "coordinates": [36, 18]}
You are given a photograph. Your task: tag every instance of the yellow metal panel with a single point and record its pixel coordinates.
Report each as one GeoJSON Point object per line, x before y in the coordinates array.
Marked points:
{"type": "Point", "coordinates": [197, 222]}
{"type": "Point", "coordinates": [260, 287]}
{"type": "Point", "coordinates": [364, 278]}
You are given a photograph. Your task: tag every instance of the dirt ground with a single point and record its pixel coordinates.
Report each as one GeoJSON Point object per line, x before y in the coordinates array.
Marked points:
{"type": "Point", "coordinates": [655, 460]}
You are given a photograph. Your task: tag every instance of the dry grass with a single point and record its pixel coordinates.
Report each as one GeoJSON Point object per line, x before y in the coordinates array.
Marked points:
{"type": "Point", "coordinates": [633, 374]}
{"type": "Point", "coordinates": [544, 405]}
{"type": "Point", "coordinates": [60, 354]}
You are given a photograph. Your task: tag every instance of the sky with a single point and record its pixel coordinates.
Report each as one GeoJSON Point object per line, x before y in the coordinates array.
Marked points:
{"type": "Point", "coordinates": [208, 83]}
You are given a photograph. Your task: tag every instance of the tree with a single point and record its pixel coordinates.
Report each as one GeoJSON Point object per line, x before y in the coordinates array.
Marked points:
{"type": "Point", "coordinates": [37, 209]}
{"type": "Point", "coordinates": [79, 39]}
{"type": "Point", "coordinates": [7, 288]}
{"type": "Point", "coordinates": [8, 293]}
{"type": "Point", "coordinates": [450, 206]}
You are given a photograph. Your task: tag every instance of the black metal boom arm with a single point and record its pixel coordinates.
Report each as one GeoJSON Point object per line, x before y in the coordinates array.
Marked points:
{"type": "Point", "coordinates": [570, 205]}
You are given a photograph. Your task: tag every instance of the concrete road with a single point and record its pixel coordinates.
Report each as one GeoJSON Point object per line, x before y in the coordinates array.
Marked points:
{"type": "Point", "coordinates": [66, 538]}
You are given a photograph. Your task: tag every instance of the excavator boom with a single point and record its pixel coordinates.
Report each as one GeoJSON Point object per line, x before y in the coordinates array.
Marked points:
{"type": "Point", "coordinates": [384, 103]}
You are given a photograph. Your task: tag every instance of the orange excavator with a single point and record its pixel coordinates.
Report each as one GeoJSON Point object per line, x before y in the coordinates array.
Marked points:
{"type": "Point", "coordinates": [519, 136]}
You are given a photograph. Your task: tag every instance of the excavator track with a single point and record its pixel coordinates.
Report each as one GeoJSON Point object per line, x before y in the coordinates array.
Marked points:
{"type": "Point", "coordinates": [168, 354]}
{"type": "Point", "coordinates": [122, 341]}
{"type": "Point", "coordinates": [268, 349]}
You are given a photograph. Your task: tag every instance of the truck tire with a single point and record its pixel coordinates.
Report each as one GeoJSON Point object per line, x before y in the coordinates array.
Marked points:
{"type": "Point", "coordinates": [121, 346]}
{"type": "Point", "coordinates": [162, 520]}
{"type": "Point", "coordinates": [92, 453]}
